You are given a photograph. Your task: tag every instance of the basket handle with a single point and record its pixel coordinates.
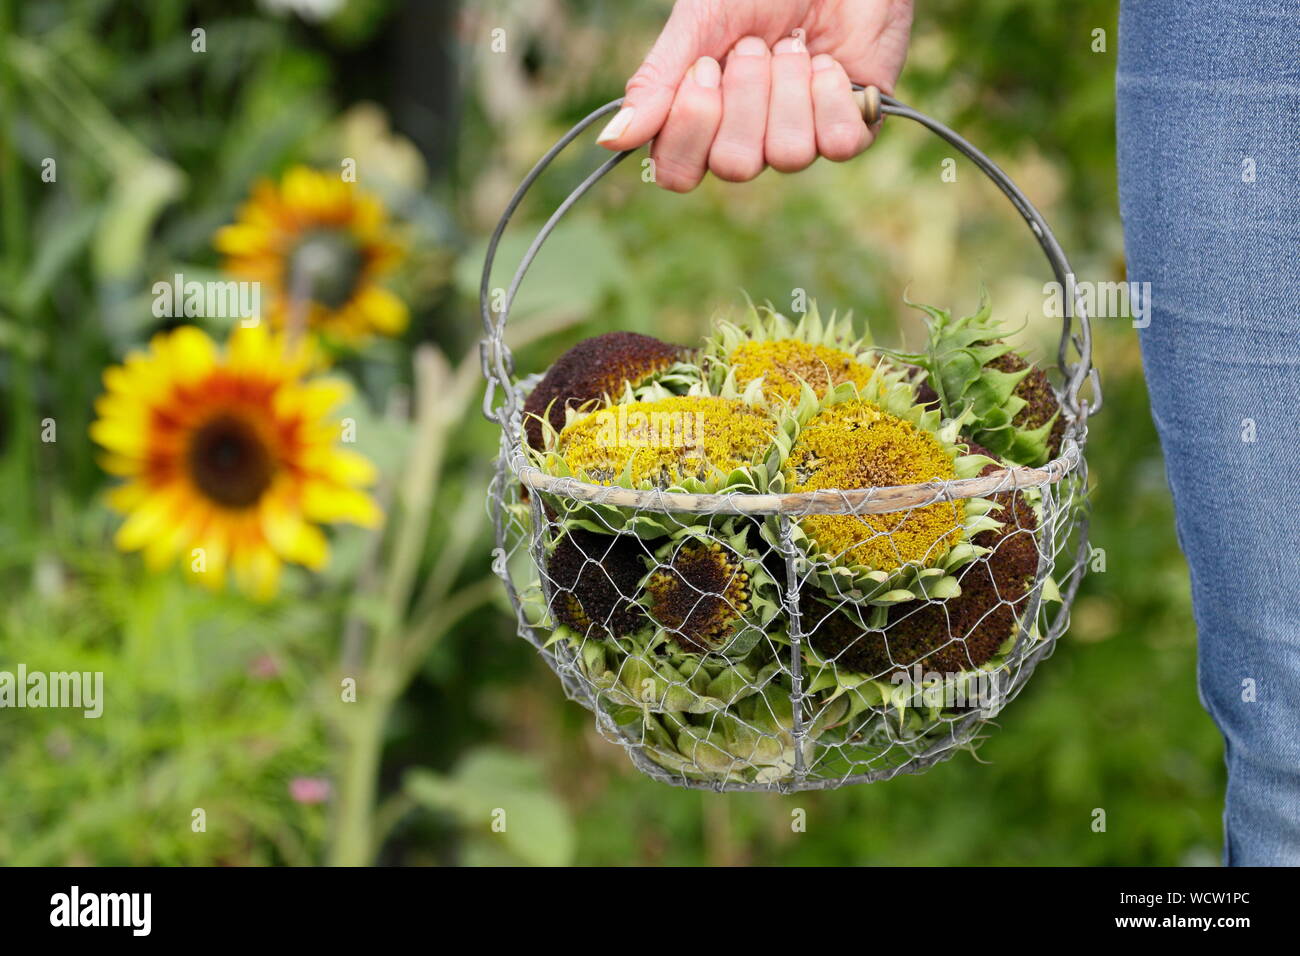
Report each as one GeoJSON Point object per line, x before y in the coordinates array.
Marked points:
{"type": "Point", "coordinates": [498, 362]}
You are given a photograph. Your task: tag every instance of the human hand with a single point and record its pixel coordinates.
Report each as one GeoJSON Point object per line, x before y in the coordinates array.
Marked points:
{"type": "Point", "coordinates": [780, 97]}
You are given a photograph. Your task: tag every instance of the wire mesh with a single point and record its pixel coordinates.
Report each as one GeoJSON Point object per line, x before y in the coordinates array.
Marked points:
{"type": "Point", "coordinates": [724, 653]}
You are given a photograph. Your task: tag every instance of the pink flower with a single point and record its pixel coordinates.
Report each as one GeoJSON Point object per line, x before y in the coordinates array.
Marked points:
{"type": "Point", "coordinates": [309, 790]}
{"type": "Point", "coordinates": [263, 667]}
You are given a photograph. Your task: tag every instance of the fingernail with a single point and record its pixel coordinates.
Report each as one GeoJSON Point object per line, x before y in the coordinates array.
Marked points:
{"type": "Point", "coordinates": [707, 72]}
{"type": "Point", "coordinates": [789, 45]}
{"type": "Point", "coordinates": [617, 126]}
{"type": "Point", "coordinates": [751, 46]}
{"type": "Point", "coordinates": [822, 61]}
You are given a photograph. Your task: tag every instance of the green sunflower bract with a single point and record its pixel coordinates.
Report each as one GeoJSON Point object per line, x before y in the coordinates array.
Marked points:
{"type": "Point", "coordinates": [968, 366]}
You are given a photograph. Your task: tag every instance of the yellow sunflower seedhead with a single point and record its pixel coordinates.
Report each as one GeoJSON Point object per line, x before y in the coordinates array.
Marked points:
{"type": "Point", "coordinates": [784, 365]}
{"type": "Point", "coordinates": [319, 246]}
{"type": "Point", "coordinates": [663, 442]}
{"type": "Point", "coordinates": [856, 444]}
{"type": "Point", "coordinates": [777, 356]}
{"type": "Point", "coordinates": [230, 459]}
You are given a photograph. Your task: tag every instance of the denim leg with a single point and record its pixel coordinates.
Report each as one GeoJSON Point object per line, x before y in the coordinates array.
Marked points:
{"type": "Point", "coordinates": [1209, 156]}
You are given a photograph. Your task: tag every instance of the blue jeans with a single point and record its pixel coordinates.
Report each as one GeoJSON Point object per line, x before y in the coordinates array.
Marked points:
{"type": "Point", "coordinates": [1209, 158]}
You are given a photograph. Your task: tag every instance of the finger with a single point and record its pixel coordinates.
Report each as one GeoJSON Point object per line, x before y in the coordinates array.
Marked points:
{"type": "Point", "coordinates": [841, 132]}
{"type": "Point", "coordinates": [737, 153]}
{"type": "Point", "coordinates": [790, 143]}
{"type": "Point", "coordinates": [681, 150]}
{"type": "Point", "coordinates": [653, 87]}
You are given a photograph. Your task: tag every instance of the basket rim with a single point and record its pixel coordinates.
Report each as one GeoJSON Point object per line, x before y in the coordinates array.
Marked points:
{"type": "Point", "coordinates": [833, 501]}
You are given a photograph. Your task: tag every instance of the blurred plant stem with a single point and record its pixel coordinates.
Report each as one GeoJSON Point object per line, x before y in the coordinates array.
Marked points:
{"type": "Point", "coordinates": [13, 227]}
{"type": "Point", "coordinates": [402, 620]}
{"type": "Point", "coordinates": [384, 676]}
{"type": "Point", "coordinates": [13, 207]}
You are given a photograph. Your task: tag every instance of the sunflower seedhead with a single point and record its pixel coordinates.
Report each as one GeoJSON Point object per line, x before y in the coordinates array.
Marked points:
{"type": "Point", "coordinates": [593, 369]}
{"type": "Point", "coordinates": [708, 593]}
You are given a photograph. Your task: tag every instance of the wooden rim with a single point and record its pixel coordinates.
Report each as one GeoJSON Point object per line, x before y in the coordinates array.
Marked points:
{"type": "Point", "coordinates": [837, 502]}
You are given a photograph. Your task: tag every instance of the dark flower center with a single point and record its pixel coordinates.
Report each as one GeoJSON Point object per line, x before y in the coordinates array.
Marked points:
{"type": "Point", "coordinates": [325, 266]}
{"type": "Point", "coordinates": [701, 596]}
{"type": "Point", "coordinates": [230, 462]}
{"type": "Point", "coordinates": [596, 580]}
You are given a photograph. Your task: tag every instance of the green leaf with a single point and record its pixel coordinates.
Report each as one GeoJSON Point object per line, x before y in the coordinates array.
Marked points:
{"type": "Point", "coordinates": [498, 795]}
{"type": "Point", "coordinates": [56, 250]}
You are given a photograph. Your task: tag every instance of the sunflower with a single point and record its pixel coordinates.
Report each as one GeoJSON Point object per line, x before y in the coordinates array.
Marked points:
{"type": "Point", "coordinates": [708, 591]}
{"type": "Point", "coordinates": [967, 365]}
{"type": "Point", "coordinates": [229, 458]}
{"type": "Point", "coordinates": [318, 246]}
{"type": "Point", "coordinates": [875, 437]}
{"type": "Point", "coordinates": [959, 634]}
{"type": "Point", "coordinates": [660, 443]}
{"type": "Point", "coordinates": [781, 355]}
{"type": "Point", "coordinates": [952, 636]}
{"type": "Point", "coordinates": [700, 595]}
{"type": "Point", "coordinates": [596, 367]}
{"type": "Point", "coordinates": [596, 578]}
{"type": "Point", "coordinates": [856, 444]}
{"type": "Point", "coordinates": [1041, 406]}
{"type": "Point", "coordinates": [785, 364]}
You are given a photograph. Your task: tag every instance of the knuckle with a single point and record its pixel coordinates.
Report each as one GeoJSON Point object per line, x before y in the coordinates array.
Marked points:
{"type": "Point", "coordinates": [841, 141]}
{"type": "Point", "coordinates": [789, 154]}
{"type": "Point", "coordinates": [697, 107]}
{"type": "Point", "coordinates": [646, 77]}
{"type": "Point", "coordinates": [676, 176]}
{"type": "Point", "coordinates": [734, 164]}
{"type": "Point", "coordinates": [674, 185]}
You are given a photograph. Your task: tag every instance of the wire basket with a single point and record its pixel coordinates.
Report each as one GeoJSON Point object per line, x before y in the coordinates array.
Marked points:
{"type": "Point", "coordinates": [772, 666]}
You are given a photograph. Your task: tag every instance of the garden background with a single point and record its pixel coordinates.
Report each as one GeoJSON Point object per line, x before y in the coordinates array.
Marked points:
{"type": "Point", "coordinates": [219, 702]}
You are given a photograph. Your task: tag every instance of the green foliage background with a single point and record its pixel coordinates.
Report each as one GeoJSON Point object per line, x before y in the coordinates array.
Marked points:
{"type": "Point", "coordinates": [218, 703]}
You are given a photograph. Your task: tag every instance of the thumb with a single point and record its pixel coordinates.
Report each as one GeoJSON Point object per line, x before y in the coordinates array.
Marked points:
{"type": "Point", "coordinates": [653, 86]}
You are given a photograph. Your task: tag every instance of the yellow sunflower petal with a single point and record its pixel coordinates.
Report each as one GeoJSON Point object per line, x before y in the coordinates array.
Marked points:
{"type": "Point", "coordinates": [326, 501]}
{"type": "Point", "coordinates": [120, 466]}
{"type": "Point", "coordinates": [257, 570]}
{"type": "Point", "coordinates": [302, 188]}
{"type": "Point", "coordinates": [126, 498]}
{"type": "Point", "coordinates": [313, 400]}
{"type": "Point", "coordinates": [241, 239]}
{"type": "Point", "coordinates": [191, 354]}
{"type": "Point", "coordinates": [209, 567]}
{"type": "Point", "coordinates": [149, 520]}
{"type": "Point", "coordinates": [293, 538]}
{"type": "Point", "coordinates": [161, 549]}
{"type": "Point", "coordinates": [384, 312]}
{"type": "Point", "coordinates": [340, 466]}
{"type": "Point", "coordinates": [368, 219]}
{"type": "Point", "coordinates": [122, 437]}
